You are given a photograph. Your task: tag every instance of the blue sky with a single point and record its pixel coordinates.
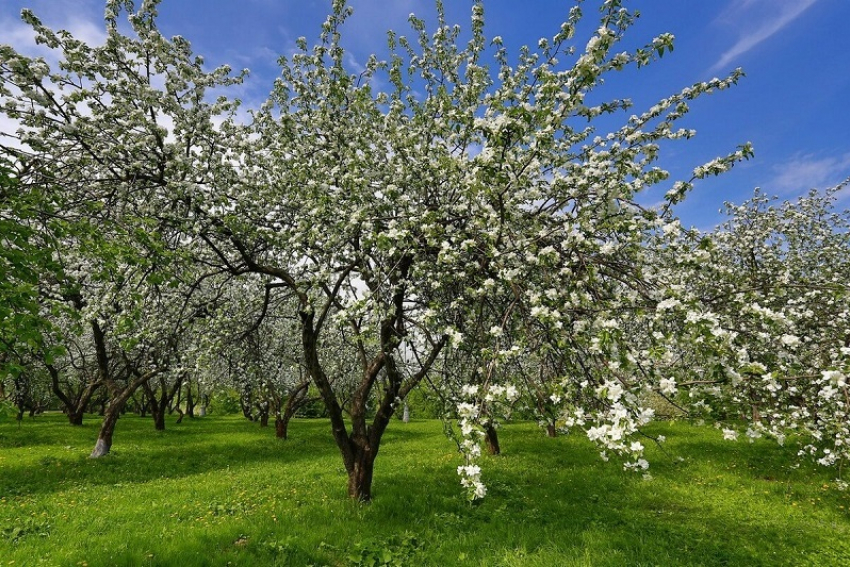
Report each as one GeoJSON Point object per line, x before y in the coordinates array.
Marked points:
{"type": "Point", "coordinates": [792, 105]}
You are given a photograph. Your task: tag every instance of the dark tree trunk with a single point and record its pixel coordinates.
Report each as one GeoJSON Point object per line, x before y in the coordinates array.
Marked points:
{"type": "Point", "coordinates": [75, 406]}
{"type": "Point", "coordinates": [75, 418]}
{"type": "Point", "coordinates": [157, 407]}
{"type": "Point", "coordinates": [281, 427]}
{"type": "Point", "coordinates": [264, 418]}
{"type": "Point", "coordinates": [360, 448]}
{"type": "Point", "coordinates": [360, 474]}
{"type": "Point", "coordinates": [247, 403]}
{"type": "Point", "coordinates": [492, 438]}
{"type": "Point", "coordinates": [159, 418]}
{"type": "Point", "coordinates": [356, 448]}
{"type": "Point", "coordinates": [175, 401]}
{"type": "Point", "coordinates": [296, 400]}
{"type": "Point", "coordinates": [551, 430]}
{"type": "Point", "coordinates": [161, 404]}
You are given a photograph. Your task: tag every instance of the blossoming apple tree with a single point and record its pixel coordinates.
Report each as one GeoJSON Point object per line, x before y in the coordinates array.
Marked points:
{"type": "Point", "coordinates": [91, 137]}
{"type": "Point", "coordinates": [774, 277]}
{"type": "Point", "coordinates": [429, 203]}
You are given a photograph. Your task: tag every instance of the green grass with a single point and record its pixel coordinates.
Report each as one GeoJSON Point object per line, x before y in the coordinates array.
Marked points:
{"type": "Point", "coordinates": [222, 491]}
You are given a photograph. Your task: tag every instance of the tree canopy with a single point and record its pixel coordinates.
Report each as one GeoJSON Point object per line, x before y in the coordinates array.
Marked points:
{"type": "Point", "coordinates": [453, 210]}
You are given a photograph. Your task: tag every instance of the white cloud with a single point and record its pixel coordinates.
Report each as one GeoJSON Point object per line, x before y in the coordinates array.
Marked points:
{"type": "Point", "coordinates": [87, 31]}
{"type": "Point", "coordinates": [756, 21]}
{"type": "Point", "coordinates": [79, 20]}
{"type": "Point", "coordinates": [19, 35]}
{"type": "Point", "coordinates": [804, 172]}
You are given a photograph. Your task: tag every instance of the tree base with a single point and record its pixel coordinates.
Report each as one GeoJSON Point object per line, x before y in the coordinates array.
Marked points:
{"type": "Point", "coordinates": [101, 449]}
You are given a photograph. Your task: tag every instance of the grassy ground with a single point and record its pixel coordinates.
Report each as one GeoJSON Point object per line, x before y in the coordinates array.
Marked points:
{"type": "Point", "coordinates": [222, 491]}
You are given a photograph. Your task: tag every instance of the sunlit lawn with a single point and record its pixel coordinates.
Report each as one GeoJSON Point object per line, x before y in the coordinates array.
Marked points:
{"type": "Point", "coordinates": [223, 491]}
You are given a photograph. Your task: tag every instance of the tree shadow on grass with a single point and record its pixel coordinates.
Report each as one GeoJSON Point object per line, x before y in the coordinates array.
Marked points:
{"type": "Point", "coordinates": [553, 501]}
{"type": "Point", "coordinates": [141, 454]}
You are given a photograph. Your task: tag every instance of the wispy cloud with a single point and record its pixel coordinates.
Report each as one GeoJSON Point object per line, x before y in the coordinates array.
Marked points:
{"type": "Point", "coordinates": [83, 26]}
{"type": "Point", "coordinates": [756, 21]}
{"type": "Point", "coordinates": [804, 172]}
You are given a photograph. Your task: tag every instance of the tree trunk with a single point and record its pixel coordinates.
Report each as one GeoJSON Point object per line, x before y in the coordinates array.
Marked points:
{"type": "Point", "coordinates": [264, 418]}
{"type": "Point", "coordinates": [175, 402]}
{"type": "Point", "coordinates": [492, 438]}
{"type": "Point", "coordinates": [551, 431]}
{"type": "Point", "coordinates": [360, 448]}
{"type": "Point", "coordinates": [162, 403]}
{"type": "Point", "coordinates": [112, 412]}
{"type": "Point", "coordinates": [75, 418]}
{"type": "Point", "coordinates": [157, 406]}
{"type": "Point", "coordinates": [246, 403]}
{"type": "Point", "coordinates": [190, 401]}
{"type": "Point", "coordinates": [296, 400]}
{"type": "Point", "coordinates": [107, 428]}
{"type": "Point", "coordinates": [75, 407]}
{"type": "Point", "coordinates": [159, 418]}
{"type": "Point", "coordinates": [405, 416]}
{"type": "Point", "coordinates": [360, 475]}
{"type": "Point", "coordinates": [281, 427]}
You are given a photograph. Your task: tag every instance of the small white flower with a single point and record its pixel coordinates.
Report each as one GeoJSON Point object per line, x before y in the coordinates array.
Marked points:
{"type": "Point", "coordinates": [667, 304]}
{"type": "Point", "coordinates": [480, 490]}
{"type": "Point", "coordinates": [835, 377]}
{"type": "Point", "coordinates": [667, 386]}
{"type": "Point", "coordinates": [455, 336]}
{"type": "Point", "coordinates": [469, 390]}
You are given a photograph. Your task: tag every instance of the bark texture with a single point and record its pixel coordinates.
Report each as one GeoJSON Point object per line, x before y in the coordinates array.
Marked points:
{"type": "Point", "coordinates": [492, 439]}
